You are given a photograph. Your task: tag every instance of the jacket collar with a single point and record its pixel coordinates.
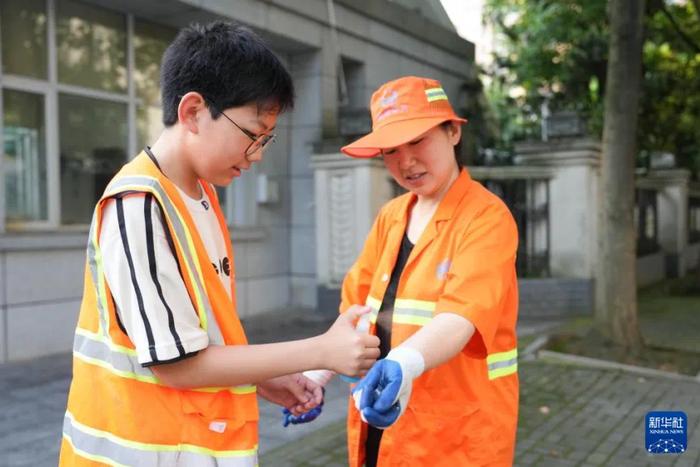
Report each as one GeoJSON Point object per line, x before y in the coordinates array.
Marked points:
{"type": "Point", "coordinates": [448, 205]}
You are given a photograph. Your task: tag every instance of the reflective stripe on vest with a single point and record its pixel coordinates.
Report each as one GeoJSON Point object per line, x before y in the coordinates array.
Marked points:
{"type": "Point", "coordinates": [107, 448]}
{"type": "Point", "coordinates": [502, 363]}
{"type": "Point", "coordinates": [96, 350]}
{"type": "Point", "coordinates": [96, 272]}
{"type": "Point", "coordinates": [182, 236]}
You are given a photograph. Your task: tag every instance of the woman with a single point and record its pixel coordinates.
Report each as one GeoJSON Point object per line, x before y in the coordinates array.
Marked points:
{"type": "Point", "coordinates": [438, 271]}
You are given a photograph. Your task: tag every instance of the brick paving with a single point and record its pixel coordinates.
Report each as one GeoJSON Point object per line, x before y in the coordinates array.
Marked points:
{"type": "Point", "coordinates": [570, 415]}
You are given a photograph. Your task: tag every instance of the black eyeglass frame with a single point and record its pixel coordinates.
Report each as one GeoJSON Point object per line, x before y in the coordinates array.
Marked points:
{"type": "Point", "coordinates": [258, 142]}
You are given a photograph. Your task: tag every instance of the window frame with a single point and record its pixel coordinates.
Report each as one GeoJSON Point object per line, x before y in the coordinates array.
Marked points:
{"type": "Point", "coordinates": [50, 90]}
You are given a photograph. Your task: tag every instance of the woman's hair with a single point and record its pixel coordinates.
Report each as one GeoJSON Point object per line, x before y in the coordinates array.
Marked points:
{"type": "Point", "coordinates": [229, 65]}
{"type": "Point", "coordinates": [458, 147]}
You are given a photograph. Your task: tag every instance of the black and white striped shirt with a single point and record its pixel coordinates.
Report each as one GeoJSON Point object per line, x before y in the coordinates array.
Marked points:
{"type": "Point", "coordinates": [144, 278]}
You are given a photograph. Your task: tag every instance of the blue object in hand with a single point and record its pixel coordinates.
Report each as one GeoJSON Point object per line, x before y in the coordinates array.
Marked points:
{"type": "Point", "coordinates": [382, 396]}
{"type": "Point", "coordinates": [307, 417]}
{"type": "Point", "coordinates": [378, 395]}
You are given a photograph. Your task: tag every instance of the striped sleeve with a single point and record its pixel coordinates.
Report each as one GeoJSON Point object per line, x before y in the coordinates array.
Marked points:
{"type": "Point", "coordinates": [149, 292]}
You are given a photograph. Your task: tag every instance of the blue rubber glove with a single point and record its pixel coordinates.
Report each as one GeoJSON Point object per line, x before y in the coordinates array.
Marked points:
{"type": "Point", "coordinates": [383, 394]}
{"type": "Point", "coordinates": [307, 417]}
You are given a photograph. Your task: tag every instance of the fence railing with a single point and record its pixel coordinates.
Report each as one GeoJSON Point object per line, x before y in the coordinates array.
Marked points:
{"type": "Point", "coordinates": [526, 193]}
{"type": "Point", "coordinates": [525, 190]}
{"type": "Point", "coordinates": [694, 219]}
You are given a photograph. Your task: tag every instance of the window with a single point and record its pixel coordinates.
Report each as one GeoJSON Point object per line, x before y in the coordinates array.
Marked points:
{"type": "Point", "coordinates": [150, 42]}
{"type": "Point", "coordinates": [93, 135]}
{"type": "Point", "coordinates": [91, 46]}
{"type": "Point", "coordinates": [24, 162]}
{"type": "Point", "coordinates": [23, 26]}
{"type": "Point", "coordinates": [74, 109]}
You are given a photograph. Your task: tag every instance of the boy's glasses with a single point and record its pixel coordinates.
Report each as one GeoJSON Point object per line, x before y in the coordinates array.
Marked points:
{"type": "Point", "coordinates": [258, 143]}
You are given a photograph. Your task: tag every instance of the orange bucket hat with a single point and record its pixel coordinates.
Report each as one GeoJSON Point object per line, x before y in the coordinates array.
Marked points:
{"type": "Point", "coordinates": [402, 110]}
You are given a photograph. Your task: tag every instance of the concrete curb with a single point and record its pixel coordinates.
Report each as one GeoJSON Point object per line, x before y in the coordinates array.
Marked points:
{"type": "Point", "coordinates": [530, 352]}
{"type": "Point", "coordinates": [606, 365]}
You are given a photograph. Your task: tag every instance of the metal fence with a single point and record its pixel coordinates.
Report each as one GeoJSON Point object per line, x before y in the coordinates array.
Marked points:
{"type": "Point", "coordinates": [527, 197]}
{"type": "Point", "coordinates": [693, 219]}
{"type": "Point", "coordinates": [528, 201]}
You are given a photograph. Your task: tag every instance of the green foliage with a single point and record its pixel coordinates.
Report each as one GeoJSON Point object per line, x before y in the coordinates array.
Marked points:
{"type": "Point", "coordinates": [558, 50]}
{"type": "Point", "coordinates": [671, 102]}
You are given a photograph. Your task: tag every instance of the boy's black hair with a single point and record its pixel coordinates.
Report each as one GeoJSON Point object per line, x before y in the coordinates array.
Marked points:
{"type": "Point", "coordinates": [229, 65]}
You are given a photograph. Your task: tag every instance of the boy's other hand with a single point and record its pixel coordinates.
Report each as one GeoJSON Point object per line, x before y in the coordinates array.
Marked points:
{"type": "Point", "coordinates": [295, 392]}
{"type": "Point", "coordinates": [346, 350]}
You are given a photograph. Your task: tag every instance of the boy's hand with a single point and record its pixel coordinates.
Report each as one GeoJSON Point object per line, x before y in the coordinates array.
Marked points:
{"type": "Point", "coordinates": [346, 350]}
{"type": "Point", "coordinates": [289, 419]}
{"type": "Point", "coordinates": [294, 392]}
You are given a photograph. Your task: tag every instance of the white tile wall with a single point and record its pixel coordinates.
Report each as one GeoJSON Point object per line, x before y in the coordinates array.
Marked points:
{"type": "Point", "coordinates": [302, 196]}
{"type": "Point", "coordinates": [290, 24]}
{"type": "Point", "coordinates": [268, 294]}
{"type": "Point", "coordinates": [3, 279]}
{"type": "Point", "coordinates": [3, 316]}
{"type": "Point", "coordinates": [3, 335]}
{"type": "Point", "coordinates": [36, 276]}
{"type": "Point", "coordinates": [305, 64]}
{"type": "Point", "coordinates": [41, 329]}
{"type": "Point", "coordinates": [267, 258]}
{"type": "Point", "coordinates": [307, 108]}
{"type": "Point", "coordinates": [276, 214]}
{"type": "Point", "coordinates": [301, 149]}
{"type": "Point", "coordinates": [242, 298]}
{"type": "Point", "coordinates": [303, 250]}
{"type": "Point", "coordinates": [303, 291]}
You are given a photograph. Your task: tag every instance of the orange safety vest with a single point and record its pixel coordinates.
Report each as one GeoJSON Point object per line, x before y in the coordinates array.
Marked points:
{"type": "Point", "coordinates": [463, 412]}
{"type": "Point", "coordinates": [118, 412]}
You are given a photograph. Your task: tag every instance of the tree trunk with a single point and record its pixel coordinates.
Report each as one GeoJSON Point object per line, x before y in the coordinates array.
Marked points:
{"type": "Point", "coordinates": [616, 313]}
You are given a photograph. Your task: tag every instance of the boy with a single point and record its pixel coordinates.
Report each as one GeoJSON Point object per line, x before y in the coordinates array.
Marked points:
{"type": "Point", "coordinates": [162, 373]}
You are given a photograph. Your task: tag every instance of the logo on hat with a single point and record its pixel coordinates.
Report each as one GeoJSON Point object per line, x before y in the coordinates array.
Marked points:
{"type": "Point", "coordinates": [388, 98]}
{"type": "Point", "coordinates": [388, 105]}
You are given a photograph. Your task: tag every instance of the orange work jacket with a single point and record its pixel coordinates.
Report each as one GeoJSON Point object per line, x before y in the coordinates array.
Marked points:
{"type": "Point", "coordinates": [118, 412]}
{"type": "Point", "coordinates": [463, 412]}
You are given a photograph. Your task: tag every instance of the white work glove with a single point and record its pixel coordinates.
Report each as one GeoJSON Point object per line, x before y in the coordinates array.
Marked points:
{"type": "Point", "coordinates": [320, 377]}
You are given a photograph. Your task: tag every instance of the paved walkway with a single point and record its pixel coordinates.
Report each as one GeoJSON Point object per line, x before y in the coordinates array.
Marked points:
{"type": "Point", "coordinates": [570, 415]}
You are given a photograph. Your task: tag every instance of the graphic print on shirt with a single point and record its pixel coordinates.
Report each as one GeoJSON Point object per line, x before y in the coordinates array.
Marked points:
{"type": "Point", "coordinates": [223, 266]}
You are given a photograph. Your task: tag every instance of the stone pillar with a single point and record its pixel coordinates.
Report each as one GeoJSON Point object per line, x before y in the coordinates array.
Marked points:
{"type": "Point", "coordinates": [349, 193]}
{"type": "Point", "coordinates": [692, 250]}
{"type": "Point", "coordinates": [672, 212]}
{"type": "Point", "coordinates": [573, 199]}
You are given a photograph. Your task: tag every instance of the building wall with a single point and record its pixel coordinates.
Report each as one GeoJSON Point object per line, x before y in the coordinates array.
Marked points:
{"type": "Point", "coordinates": [650, 269]}
{"type": "Point", "coordinates": [41, 271]}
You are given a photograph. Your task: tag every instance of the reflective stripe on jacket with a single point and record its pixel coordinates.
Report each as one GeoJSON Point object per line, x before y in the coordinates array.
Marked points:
{"type": "Point", "coordinates": [464, 412]}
